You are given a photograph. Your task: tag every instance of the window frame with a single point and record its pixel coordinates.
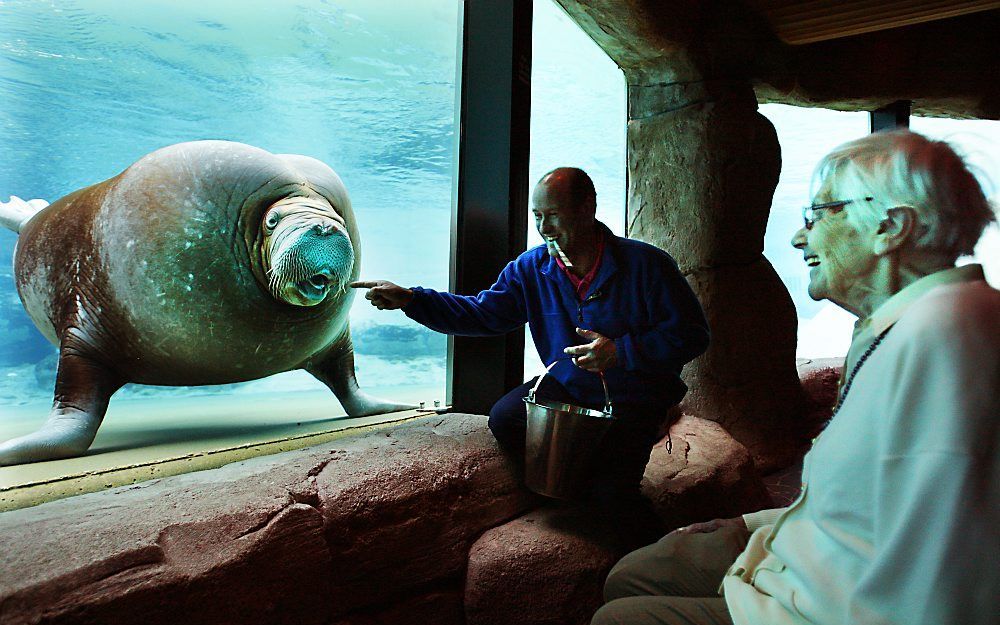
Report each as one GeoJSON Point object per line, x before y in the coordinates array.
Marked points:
{"type": "Point", "coordinates": [490, 204]}
{"type": "Point", "coordinates": [890, 116]}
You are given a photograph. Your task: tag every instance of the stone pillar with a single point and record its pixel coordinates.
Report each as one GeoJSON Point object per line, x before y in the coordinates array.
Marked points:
{"type": "Point", "coordinates": [702, 166]}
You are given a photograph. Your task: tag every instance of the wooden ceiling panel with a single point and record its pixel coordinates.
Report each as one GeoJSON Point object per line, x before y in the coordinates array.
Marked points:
{"type": "Point", "coordinates": [819, 20]}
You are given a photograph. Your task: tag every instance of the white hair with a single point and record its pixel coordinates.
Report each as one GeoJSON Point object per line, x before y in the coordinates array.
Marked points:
{"type": "Point", "coordinates": [903, 168]}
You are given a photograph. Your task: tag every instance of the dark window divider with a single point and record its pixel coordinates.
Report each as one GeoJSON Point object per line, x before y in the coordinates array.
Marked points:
{"type": "Point", "coordinates": [895, 115]}
{"type": "Point", "coordinates": [491, 195]}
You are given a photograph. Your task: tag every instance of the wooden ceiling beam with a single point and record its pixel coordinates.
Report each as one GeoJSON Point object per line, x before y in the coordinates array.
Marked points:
{"type": "Point", "coordinates": [799, 23]}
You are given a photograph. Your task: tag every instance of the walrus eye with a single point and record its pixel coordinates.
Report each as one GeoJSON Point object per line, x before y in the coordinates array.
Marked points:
{"type": "Point", "coordinates": [272, 221]}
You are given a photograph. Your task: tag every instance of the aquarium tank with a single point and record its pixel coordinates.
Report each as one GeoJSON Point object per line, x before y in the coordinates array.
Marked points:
{"type": "Point", "coordinates": [87, 87]}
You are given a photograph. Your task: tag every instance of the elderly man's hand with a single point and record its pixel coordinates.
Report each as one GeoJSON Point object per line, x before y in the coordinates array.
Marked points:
{"type": "Point", "coordinates": [596, 356]}
{"type": "Point", "coordinates": [383, 294]}
{"type": "Point", "coordinates": [710, 526]}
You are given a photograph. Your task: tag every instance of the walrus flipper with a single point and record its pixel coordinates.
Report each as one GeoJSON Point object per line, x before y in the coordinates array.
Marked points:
{"type": "Point", "coordinates": [15, 213]}
{"type": "Point", "coordinates": [83, 388]}
{"type": "Point", "coordinates": [336, 370]}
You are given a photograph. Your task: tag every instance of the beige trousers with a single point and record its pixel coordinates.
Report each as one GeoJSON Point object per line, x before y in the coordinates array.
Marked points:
{"type": "Point", "coordinates": [674, 581]}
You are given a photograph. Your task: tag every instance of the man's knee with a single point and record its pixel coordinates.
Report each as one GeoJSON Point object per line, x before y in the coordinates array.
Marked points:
{"type": "Point", "coordinates": [642, 611]}
{"type": "Point", "coordinates": [631, 576]}
{"type": "Point", "coordinates": [671, 566]}
{"type": "Point", "coordinates": [507, 425]}
{"type": "Point", "coordinates": [613, 613]}
{"type": "Point", "coordinates": [620, 582]}
{"type": "Point", "coordinates": [663, 611]}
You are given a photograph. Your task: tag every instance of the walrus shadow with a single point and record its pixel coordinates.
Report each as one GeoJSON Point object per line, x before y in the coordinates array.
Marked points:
{"type": "Point", "coordinates": [139, 438]}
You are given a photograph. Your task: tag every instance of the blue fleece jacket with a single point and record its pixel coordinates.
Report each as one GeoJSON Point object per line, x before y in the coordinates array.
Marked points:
{"type": "Point", "coordinates": [638, 298]}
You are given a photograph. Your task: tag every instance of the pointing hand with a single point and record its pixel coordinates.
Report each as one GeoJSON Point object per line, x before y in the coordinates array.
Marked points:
{"type": "Point", "coordinates": [383, 294]}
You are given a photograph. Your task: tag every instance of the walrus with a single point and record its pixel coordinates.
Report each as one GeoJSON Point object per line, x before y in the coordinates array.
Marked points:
{"type": "Point", "coordinates": [206, 262]}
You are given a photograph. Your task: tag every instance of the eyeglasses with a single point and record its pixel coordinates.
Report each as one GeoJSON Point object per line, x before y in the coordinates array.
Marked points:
{"type": "Point", "coordinates": [813, 213]}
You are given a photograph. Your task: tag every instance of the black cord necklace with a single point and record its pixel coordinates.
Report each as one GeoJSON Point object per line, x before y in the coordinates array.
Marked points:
{"type": "Point", "coordinates": [857, 367]}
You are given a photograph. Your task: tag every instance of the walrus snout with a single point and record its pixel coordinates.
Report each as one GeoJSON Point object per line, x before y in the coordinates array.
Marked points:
{"type": "Point", "coordinates": [310, 291]}
{"type": "Point", "coordinates": [311, 264]}
{"type": "Point", "coordinates": [320, 282]}
{"type": "Point", "coordinates": [314, 289]}
{"type": "Point", "coordinates": [322, 279]}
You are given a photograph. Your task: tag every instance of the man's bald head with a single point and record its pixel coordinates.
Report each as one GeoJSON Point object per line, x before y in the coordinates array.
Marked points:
{"type": "Point", "coordinates": [564, 207]}
{"type": "Point", "coordinates": [571, 188]}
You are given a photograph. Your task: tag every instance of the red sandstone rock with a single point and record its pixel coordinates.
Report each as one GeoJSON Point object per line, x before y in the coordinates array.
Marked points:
{"type": "Point", "coordinates": [713, 223]}
{"type": "Point", "coordinates": [820, 377]}
{"type": "Point", "coordinates": [747, 381]}
{"type": "Point", "coordinates": [302, 537]}
{"type": "Point", "coordinates": [708, 475]}
{"type": "Point", "coordinates": [363, 531]}
{"type": "Point", "coordinates": [545, 568]}
{"type": "Point", "coordinates": [223, 546]}
{"type": "Point", "coordinates": [409, 512]}
{"type": "Point", "coordinates": [549, 566]}
{"type": "Point", "coordinates": [439, 607]}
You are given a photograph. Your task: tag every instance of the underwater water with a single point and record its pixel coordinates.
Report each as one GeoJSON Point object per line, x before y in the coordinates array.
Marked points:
{"type": "Point", "coordinates": [89, 86]}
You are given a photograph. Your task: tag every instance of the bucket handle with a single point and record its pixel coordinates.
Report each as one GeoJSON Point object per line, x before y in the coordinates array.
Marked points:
{"type": "Point", "coordinates": [607, 398]}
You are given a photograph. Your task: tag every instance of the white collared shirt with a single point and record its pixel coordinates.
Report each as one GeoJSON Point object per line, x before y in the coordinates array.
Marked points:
{"type": "Point", "coordinates": [898, 520]}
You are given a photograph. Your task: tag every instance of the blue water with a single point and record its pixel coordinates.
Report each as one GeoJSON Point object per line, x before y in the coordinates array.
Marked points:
{"type": "Point", "coordinates": [89, 86]}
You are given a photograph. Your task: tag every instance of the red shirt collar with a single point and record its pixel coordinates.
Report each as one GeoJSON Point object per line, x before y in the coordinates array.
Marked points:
{"type": "Point", "coordinates": [582, 285]}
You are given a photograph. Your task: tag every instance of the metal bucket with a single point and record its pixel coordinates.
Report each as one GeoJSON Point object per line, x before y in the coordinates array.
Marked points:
{"type": "Point", "coordinates": [560, 443]}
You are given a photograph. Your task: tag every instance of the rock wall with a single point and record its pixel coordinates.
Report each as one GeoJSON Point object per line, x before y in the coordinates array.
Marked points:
{"type": "Point", "coordinates": [365, 530]}
{"type": "Point", "coordinates": [425, 523]}
{"type": "Point", "coordinates": [701, 180]}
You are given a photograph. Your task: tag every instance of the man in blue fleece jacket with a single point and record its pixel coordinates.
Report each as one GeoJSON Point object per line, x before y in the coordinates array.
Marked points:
{"type": "Point", "coordinates": [594, 302]}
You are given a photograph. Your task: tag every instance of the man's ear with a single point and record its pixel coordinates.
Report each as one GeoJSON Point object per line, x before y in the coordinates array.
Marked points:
{"type": "Point", "coordinates": [899, 227]}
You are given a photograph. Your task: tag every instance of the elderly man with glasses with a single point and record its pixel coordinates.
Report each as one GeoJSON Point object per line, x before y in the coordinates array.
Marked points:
{"type": "Point", "coordinates": [897, 520]}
